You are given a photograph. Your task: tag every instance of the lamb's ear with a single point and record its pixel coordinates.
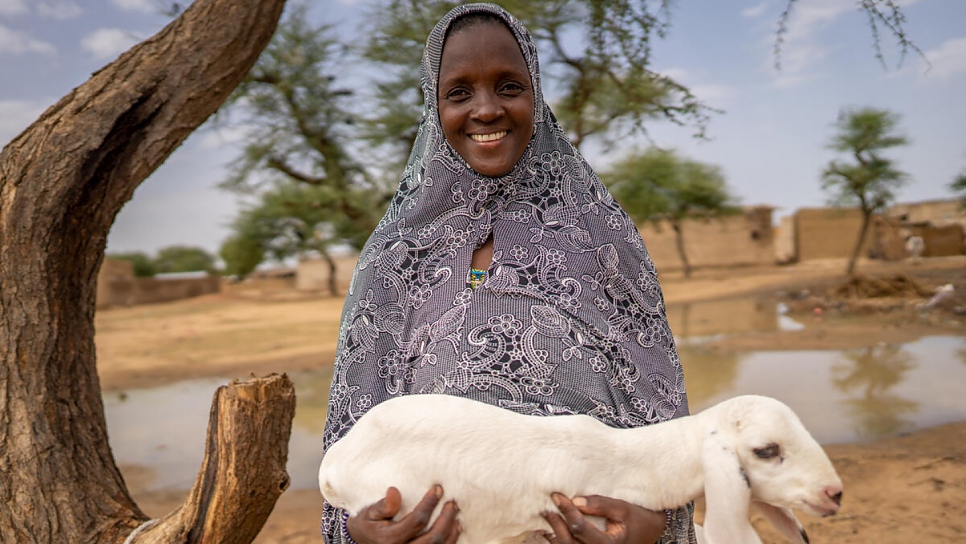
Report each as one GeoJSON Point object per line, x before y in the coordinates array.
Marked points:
{"type": "Point", "coordinates": [784, 520]}
{"type": "Point", "coordinates": [727, 492]}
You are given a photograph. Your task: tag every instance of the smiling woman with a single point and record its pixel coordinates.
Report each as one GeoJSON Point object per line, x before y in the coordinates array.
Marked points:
{"type": "Point", "coordinates": [485, 101]}
{"type": "Point", "coordinates": [505, 272]}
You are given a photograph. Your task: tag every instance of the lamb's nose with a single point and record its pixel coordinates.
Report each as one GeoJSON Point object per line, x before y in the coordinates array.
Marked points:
{"type": "Point", "coordinates": [835, 494]}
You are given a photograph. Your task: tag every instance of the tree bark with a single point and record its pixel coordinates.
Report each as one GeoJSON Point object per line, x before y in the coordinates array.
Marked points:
{"type": "Point", "coordinates": [679, 242]}
{"type": "Point", "coordinates": [243, 472]}
{"type": "Point", "coordinates": [62, 183]}
{"type": "Point", "coordinates": [866, 220]}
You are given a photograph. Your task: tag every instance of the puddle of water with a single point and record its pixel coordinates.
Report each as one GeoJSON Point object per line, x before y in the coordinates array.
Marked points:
{"type": "Point", "coordinates": [160, 431]}
{"type": "Point", "coordinates": [841, 396]}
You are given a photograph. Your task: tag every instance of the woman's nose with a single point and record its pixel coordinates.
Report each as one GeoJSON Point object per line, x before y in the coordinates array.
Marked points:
{"type": "Point", "coordinates": [487, 108]}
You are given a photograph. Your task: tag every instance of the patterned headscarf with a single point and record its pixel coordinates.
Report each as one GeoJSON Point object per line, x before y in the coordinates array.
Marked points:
{"type": "Point", "coordinates": [570, 318]}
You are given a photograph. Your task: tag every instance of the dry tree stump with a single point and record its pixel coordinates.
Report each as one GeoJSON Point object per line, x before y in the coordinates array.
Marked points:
{"type": "Point", "coordinates": [243, 472]}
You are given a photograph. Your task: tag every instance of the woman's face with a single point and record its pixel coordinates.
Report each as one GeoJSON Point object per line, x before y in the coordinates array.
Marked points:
{"type": "Point", "coordinates": [486, 98]}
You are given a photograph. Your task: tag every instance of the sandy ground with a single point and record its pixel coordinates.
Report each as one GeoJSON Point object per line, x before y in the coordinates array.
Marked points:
{"type": "Point", "coordinates": [900, 490]}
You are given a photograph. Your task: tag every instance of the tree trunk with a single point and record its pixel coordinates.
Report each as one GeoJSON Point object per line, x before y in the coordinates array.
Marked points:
{"type": "Point", "coordinates": [866, 219]}
{"type": "Point", "coordinates": [243, 472]}
{"type": "Point", "coordinates": [333, 274]}
{"type": "Point", "coordinates": [679, 241]}
{"type": "Point", "coordinates": [62, 182]}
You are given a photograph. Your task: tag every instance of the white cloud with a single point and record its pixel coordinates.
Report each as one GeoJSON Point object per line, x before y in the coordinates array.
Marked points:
{"type": "Point", "coordinates": [63, 9]}
{"type": "Point", "coordinates": [757, 10]}
{"type": "Point", "coordinates": [16, 115]}
{"type": "Point", "coordinates": [8, 7]}
{"type": "Point", "coordinates": [809, 16]}
{"type": "Point", "coordinates": [17, 43]}
{"type": "Point", "coordinates": [107, 43]}
{"type": "Point", "coordinates": [143, 6]}
{"type": "Point", "coordinates": [948, 59]}
{"type": "Point", "coordinates": [712, 93]}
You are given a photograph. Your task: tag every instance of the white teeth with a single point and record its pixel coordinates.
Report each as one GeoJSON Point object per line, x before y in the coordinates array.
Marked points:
{"type": "Point", "coordinates": [488, 137]}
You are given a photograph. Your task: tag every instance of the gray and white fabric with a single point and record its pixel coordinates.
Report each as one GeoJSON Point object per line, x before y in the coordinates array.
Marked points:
{"type": "Point", "coordinates": [570, 318]}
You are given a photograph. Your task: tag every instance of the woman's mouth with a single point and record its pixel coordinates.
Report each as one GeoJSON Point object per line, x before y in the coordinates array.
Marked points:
{"type": "Point", "coordinates": [488, 137]}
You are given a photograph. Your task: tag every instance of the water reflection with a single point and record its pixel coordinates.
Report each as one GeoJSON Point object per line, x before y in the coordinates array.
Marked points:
{"type": "Point", "coordinates": [841, 396]}
{"type": "Point", "coordinates": [713, 373]}
{"type": "Point", "coordinates": [705, 319]}
{"type": "Point", "coordinates": [869, 377]}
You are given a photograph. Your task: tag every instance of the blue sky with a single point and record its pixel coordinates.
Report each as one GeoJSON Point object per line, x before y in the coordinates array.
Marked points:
{"type": "Point", "coordinates": [769, 142]}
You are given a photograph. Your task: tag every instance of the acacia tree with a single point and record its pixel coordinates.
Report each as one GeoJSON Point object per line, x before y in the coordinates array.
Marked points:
{"type": "Point", "coordinates": [184, 259]}
{"type": "Point", "coordinates": [300, 130]}
{"type": "Point", "coordinates": [659, 185]}
{"type": "Point", "coordinates": [289, 220]}
{"type": "Point", "coordinates": [870, 180]}
{"type": "Point", "coordinates": [62, 182]}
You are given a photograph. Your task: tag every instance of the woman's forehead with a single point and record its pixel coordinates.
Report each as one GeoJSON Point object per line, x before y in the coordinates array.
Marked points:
{"type": "Point", "coordinates": [482, 45]}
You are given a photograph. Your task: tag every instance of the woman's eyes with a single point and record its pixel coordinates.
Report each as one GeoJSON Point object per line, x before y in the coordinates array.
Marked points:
{"type": "Point", "coordinates": [509, 88]}
{"type": "Point", "coordinates": [458, 94]}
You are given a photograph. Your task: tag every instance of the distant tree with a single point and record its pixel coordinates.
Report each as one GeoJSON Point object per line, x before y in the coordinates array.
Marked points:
{"type": "Point", "coordinates": [183, 259]}
{"type": "Point", "coordinates": [289, 220]}
{"type": "Point", "coordinates": [241, 255]}
{"type": "Point", "coordinates": [300, 127]}
{"type": "Point", "coordinates": [659, 185]}
{"type": "Point", "coordinates": [143, 264]}
{"type": "Point", "coordinates": [869, 181]}
{"type": "Point", "coordinates": [958, 186]}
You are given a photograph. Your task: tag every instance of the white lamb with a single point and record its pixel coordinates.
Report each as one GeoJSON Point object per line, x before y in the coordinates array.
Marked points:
{"type": "Point", "coordinates": [501, 467]}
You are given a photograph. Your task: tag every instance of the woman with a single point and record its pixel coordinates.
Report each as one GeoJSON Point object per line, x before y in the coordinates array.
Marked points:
{"type": "Point", "coordinates": [503, 271]}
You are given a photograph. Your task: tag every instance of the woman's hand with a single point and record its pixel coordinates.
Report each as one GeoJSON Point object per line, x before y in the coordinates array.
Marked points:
{"type": "Point", "coordinates": [626, 523]}
{"type": "Point", "coordinates": [374, 524]}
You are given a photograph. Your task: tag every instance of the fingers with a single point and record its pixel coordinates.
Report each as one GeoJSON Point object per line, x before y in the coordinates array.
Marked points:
{"type": "Point", "coordinates": [446, 529]}
{"type": "Point", "coordinates": [626, 522]}
{"type": "Point", "coordinates": [416, 521]}
{"type": "Point", "coordinates": [374, 524]}
{"type": "Point", "coordinates": [571, 525]}
{"type": "Point", "coordinates": [386, 508]}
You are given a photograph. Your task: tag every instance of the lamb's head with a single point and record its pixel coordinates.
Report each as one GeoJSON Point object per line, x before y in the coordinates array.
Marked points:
{"type": "Point", "coordinates": [780, 465]}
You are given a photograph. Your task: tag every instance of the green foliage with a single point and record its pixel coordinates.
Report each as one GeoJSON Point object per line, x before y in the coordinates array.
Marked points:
{"type": "Point", "coordinates": [870, 180]}
{"type": "Point", "coordinates": [604, 90]}
{"type": "Point", "coordinates": [298, 124]}
{"type": "Point", "coordinates": [661, 185]}
{"type": "Point", "coordinates": [241, 254]}
{"type": "Point", "coordinates": [144, 266]}
{"type": "Point", "coordinates": [309, 190]}
{"type": "Point", "coordinates": [292, 219]}
{"type": "Point", "coordinates": [183, 259]}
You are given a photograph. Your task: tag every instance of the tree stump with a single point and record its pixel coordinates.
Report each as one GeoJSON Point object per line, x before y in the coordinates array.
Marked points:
{"type": "Point", "coordinates": [243, 472]}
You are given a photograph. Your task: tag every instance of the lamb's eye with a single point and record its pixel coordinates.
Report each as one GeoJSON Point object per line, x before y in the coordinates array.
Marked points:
{"type": "Point", "coordinates": [768, 452]}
